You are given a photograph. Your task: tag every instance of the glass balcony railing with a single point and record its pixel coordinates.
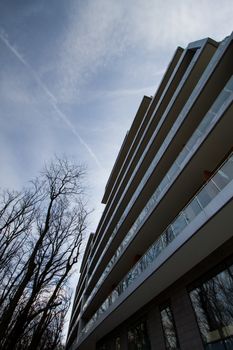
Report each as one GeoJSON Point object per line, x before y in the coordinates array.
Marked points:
{"type": "Point", "coordinates": [199, 86]}
{"type": "Point", "coordinates": [200, 133]}
{"type": "Point", "coordinates": [148, 173]}
{"type": "Point", "coordinates": [222, 177]}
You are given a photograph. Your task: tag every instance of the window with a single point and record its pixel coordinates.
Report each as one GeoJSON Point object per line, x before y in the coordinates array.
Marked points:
{"type": "Point", "coordinates": [138, 338]}
{"type": "Point", "coordinates": [117, 343]}
{"type": "Point", "coordinates": [103, 346]}
{"type": "Point", "coordinates": [213, 305]}
{"type": "Point", "coordinates": [169, 330]}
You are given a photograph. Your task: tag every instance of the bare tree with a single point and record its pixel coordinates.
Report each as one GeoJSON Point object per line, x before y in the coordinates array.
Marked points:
{"type": "Point", "coordinates": [41, 232]}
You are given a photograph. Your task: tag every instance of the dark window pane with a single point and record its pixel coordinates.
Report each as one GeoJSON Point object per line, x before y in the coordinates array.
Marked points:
{"type": "Point", "coordinates": [138, 338]}
{"type": "Point", "coordinates": [213, 305]}
{"type": "Point", "coordinates": [169, 331]}
{"type": "Point", "coordinates": [117, 343]}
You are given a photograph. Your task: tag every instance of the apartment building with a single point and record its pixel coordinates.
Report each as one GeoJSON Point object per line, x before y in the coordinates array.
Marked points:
{"type": "Point", "coordinates": [158, 272]}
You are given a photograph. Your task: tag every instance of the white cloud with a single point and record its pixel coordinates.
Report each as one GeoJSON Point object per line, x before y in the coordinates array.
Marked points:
{"type": "Point", "coordinates": [101, 31]}
{"type": "Point", "coordinates": [52, 100]}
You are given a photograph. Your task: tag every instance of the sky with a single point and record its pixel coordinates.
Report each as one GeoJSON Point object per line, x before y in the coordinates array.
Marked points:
{"type": "Point", "coordinates": [73, 73]}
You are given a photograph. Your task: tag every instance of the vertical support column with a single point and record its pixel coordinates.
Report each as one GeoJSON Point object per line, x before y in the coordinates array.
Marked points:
{"type": "Point", "coordinates": [124, 339]}
{"type": "Point", "coordinates": [186, 324]}
{"type": "Point", "coordinates": [155, 331]}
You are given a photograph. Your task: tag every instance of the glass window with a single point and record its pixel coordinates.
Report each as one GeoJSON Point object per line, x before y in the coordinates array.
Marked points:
{"type": "Point", "coordinates": [138, 338]}
{"type": "Point", "coordinates": [117, 343]}
{"type": "Point", "coordinates": [213, 305]}
{"type": "Point", "coordinates": [169, 331]}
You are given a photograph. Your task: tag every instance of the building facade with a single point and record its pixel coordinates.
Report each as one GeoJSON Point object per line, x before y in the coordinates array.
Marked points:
{"type": "Point", "coordinates": [158, 272]}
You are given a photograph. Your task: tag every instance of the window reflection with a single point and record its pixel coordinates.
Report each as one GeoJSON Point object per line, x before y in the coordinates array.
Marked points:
{"type": "Point", "coordinates": [213, 306]}
{"type": "Point", "coordinates": [117, 343]}
{"type": "Point", "coordinates": [169, 331]}
{"type": "Point", "coordinates": [138, 338]}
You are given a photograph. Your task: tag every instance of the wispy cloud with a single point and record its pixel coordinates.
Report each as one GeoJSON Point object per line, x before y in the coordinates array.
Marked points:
{"type": "Point", "coordinates": [50, 96]}
{"type": "Point", "coordinates": [102, 31]}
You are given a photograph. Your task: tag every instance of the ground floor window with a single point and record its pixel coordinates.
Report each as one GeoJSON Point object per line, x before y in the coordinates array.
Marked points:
{"type": "Point", "coordinates": [117, 343]}
{"type": "Point", "coordinates": [102, 347]}
{"type": "Point", "coordinates": [212, 301]}
{"type": "Point", "coordinates": [138, 337]}
{"type": "Point", "coordinates": [169, 329]}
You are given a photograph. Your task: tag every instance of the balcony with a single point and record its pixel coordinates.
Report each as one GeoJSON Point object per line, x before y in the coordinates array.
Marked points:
{"type": "Point", "coordinates": [191, 236]}
{"type": "Point", "coordinates": [202, 131]}
{"type": "Point", "coordinates": [119, 231]}
{"type": "Point", "coordinates": [164, 119]}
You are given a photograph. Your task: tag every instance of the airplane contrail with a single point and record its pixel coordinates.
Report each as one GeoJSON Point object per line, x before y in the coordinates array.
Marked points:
{"type": "Point", "coordinates": [51, 98]}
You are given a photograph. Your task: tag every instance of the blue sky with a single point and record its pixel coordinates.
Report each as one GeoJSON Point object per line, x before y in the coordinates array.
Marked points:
{"type": "Point", "coordinates": [73, 73]}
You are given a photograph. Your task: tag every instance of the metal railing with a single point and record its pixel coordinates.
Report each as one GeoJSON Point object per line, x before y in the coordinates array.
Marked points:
{"type": "Point", "coordinates": [199, 134]}
{"type": "Point", "coordinates": [222, 177]}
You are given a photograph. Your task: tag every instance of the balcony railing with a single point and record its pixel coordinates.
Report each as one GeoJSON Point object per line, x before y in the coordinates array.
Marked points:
{"type": "Point", "coordinates": [140, 185]}
{"type": "Point", "coordinates": [212, 65]}
{"type": "Point", "coordinates": [222, 177]}
{"type": "Point", "coordinates": [198, 136]}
